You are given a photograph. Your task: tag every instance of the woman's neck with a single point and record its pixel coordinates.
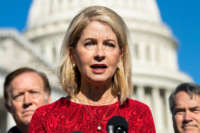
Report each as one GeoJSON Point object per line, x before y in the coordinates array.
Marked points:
{"type": "Point", "coordinates": [100, 94]}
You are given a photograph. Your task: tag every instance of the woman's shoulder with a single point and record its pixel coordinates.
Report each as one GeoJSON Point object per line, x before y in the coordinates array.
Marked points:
{"type": "Point", "coordinates": [58, 104]}
{"type": "Point", "coordinates": [139, 116]}
{"type": "Point", "coordinates": [137, 110]}
{"type": "Point", "coordinates": [136, 105]}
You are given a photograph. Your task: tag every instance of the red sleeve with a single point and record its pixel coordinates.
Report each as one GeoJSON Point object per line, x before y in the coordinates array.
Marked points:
{"type": "Point", "coordinates": [140, 118]}
{"type": "Point", "coordinates": [147, 124]}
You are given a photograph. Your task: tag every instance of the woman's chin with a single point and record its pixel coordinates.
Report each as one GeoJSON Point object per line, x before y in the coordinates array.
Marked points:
{"type": "Point", "coordinates": [99, 81]}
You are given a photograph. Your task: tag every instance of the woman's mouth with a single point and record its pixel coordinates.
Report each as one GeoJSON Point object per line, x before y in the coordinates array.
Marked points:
{"type": "Point", "coordinates": [98, 68]}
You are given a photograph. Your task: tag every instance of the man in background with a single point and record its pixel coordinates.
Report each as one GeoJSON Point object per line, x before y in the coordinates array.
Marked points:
{"type": "Point", "coordinates": [185, 108]}
{"type": "Point", "coordinates": [25, 89]}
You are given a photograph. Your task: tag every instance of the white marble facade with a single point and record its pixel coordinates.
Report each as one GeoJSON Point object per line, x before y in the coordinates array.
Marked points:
{"type": "Point", "coordinates": [152, 45]}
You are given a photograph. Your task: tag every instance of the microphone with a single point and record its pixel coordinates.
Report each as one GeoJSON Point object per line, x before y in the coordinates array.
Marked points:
{"type": "Point", "coordinates": [117, 124]}
{"type": "Point", "coordinates": [76, 132]}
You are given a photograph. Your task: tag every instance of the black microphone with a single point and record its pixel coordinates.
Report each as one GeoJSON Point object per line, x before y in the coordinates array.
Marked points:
{"type": "Point", "coordinates": [117, 124]}
{"type": "Point", "coordinates": [76, 132]}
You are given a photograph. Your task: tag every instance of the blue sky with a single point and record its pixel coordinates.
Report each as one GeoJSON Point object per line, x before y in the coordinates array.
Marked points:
{"type": "Point", "coordinates": [181, 16]}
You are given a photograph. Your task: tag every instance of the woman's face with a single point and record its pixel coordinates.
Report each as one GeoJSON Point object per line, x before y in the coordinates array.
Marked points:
{"type": "Point", "coordinates": [97, 53]}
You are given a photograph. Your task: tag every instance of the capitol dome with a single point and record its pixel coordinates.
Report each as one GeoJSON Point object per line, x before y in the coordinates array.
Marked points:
{"type": "Point", "coordinates": [152, 45]}
{"type": "Point", "coordinates": [52, 11]}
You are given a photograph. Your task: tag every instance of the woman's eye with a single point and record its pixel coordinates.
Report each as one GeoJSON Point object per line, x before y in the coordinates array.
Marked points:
{"type": "Point", "coordinates": [89, 43]}
{"type": "Point", "coordinates": [110, 45]}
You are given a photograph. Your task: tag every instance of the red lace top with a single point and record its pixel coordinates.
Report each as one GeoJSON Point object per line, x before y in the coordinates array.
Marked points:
{"type": "Point", "coordinates": [64, 116]}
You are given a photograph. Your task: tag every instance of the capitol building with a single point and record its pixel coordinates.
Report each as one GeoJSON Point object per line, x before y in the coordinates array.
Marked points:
{"type": "Point", "coordinates": [155, 70]}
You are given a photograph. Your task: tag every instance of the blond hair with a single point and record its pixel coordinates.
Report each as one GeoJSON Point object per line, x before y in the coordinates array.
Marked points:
{"type": "Point", "coordinates": [70, 75]}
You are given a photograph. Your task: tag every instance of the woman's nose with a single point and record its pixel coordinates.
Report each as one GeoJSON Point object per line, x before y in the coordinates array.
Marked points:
{"type": "Point", "coordinates": [99, 53]}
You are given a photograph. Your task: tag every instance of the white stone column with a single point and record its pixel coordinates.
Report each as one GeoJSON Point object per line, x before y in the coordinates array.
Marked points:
{"type": "Point", "coordinates": [129, 3]}
{"type": "Point", "coordinates": [74, 4]}
{"type": "Point", "coordinates": [168, 115]}
{"type": "Point", "coordinates": [41, 8]}
{"type": "Point", "coordinates": [157, 109]}
{"type": "Point", "coordinates": [65, 5]}
{"type": "Point", "coordinates": [117, 3]}
{"type": "Point", "coordinates": [55, 6]}
{"type": "Point", "coordinates": [140, 93]}
{"type": "Point", "coordinates": [139, 4]}
{"type": "Point", "coordinates": [35, 11]}
{"type": "Point", "coordinates": [47, 7]}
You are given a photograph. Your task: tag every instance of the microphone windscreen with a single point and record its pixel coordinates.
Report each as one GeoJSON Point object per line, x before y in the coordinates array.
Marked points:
{"type": "Point", "coordinates": [118, 123]}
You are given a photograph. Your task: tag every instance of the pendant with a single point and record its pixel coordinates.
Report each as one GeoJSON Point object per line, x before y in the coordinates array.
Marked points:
{"type": "Point", "coordinates": [99, 127]}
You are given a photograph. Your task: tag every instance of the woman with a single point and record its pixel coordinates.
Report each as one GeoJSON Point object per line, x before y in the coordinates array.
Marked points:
{"type": "Point", "coordinates": [95, 73]}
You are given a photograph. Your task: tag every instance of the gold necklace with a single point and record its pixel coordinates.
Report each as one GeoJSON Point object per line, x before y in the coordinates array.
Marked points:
{"type": "Point", "coordinates": [99, 127]}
